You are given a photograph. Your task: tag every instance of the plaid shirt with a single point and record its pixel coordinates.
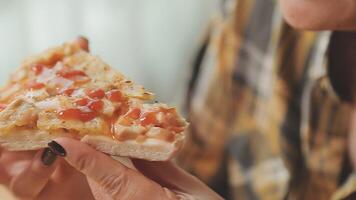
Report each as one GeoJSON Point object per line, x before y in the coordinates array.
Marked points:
{"type": "Point", "coordinates": [265, 121]}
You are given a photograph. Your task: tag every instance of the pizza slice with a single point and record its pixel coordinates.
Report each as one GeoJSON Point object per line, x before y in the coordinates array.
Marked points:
{"type": "Point", "coordinates": [67, 92]}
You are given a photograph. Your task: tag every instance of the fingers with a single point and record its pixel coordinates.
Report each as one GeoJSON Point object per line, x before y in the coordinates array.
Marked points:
{"type": "Point", "coordinates": [171, 176]}
{"type": "Point", "coordinates": [12, 164]}
{"type": "Point", "coordinates": [3, 173]}
{"type": "Point", "coordinates": [115, 179]}
{"type": "Point", "coordinates": [66, 183]}
{"type": "Point", "coordinates": [31, 181]}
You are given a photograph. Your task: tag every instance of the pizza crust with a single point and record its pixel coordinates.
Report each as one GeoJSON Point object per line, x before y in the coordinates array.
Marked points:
{"type": "Point", "coordinates": [151, 149]}
{"type": "Point", "coordinates": [25, 140]}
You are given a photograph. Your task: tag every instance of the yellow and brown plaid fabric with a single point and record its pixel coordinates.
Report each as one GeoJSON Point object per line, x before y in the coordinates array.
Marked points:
{"type": "Point", "coordinates": [265, 121]}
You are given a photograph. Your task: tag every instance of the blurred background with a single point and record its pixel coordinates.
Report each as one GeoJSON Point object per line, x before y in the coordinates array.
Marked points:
{"type": "Point", "coordinates": [152, 42]}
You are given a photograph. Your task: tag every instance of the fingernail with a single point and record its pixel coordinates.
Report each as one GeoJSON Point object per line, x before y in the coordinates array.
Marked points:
{"type": "Point", "coordinates": [48, 157]}
{"type": "Point", "coordinates": [57, 149]}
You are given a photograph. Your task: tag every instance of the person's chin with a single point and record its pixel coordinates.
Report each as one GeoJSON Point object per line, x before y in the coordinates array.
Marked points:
{"type": "Point", "coordinates": [318, 18]}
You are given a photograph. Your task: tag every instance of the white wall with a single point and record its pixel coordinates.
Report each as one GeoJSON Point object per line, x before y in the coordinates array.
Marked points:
{"type": "Point", "coordinates": [151, 41]}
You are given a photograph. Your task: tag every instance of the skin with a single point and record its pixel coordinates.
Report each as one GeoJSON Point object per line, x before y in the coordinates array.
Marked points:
{"type": "Point", "coordinates": [88, 174]}
{"type": "Point", "coordinates": [320, 14]}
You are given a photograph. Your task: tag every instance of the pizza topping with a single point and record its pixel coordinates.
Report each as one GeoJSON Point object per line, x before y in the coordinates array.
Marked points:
{"type": "Point", "coordinates": [35, 85]}
{"type": "Point", "coordinates": [88, 110]}
{"type": "Point", "coordinates": [77, 76]}
{"type": "Point", "coordinates": [168, 110]}
{"type": "Point", "coordinates": [82, 102]}
{"type": "Point", "coordinates": [55, 58]}
{"type": "Point", "coordinates": [125, 121]}
{"type": "Point", "coordinates": [134, 113]}
{"type": "Point", "coordinates": [60, 82]}
{"type": "Point", "coordinates": [72, 113]}
{"type": "Point", "coordinates": [108, 108]}
{"type": "Point", "coordinates": [37, 68]}
{"type": "Point", "coordinates": [68, 91]}
{"type": "Point", "coordinates": [18, 113]}
{"type": "Point", "coordinates": [35, 95]}
{"type": "Point", "coordinates": [162, 122]}
{"type": "Point", "coordinates": [148, 118]}
{"type": "Point", "coordinates": [96, 105]}
{"type": "Point", "coordinates": [123, 133]}
{"type": "Point", "coordinates": [160, 133]}
{"type": "Point", "coordinates": [59, 75]}
{"type": "Point", "coordinates": [114, 96]}
{"type": "Point", "coordinates": [48, 104]}
{"type": "Point", "coordinates": [77, 114]}
{"type": "Point", "coordinates": [126, 136]}
{"type": "Point", "coordinates": [70, 74]}
{"type": "Point", "coordinates": [86, 116]}
{"type": "Point", "coordinates": [112, 105]}
{"type": "Point", "coordinates": [79, 92]}
{"type": "Point", "coordinates": [96, 94]}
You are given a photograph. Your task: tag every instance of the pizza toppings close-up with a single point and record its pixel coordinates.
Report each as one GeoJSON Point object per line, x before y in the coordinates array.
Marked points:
{"type": "Point", "coordinates": [66, 91]}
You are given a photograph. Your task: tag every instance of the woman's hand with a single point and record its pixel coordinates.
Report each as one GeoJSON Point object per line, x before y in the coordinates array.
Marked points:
{"type": "Point", "coordinates": [42, 175]}
{"type": "Point", "coordinates": [85, 173]}
{"type": "Point", "coordinates": [109, 179]}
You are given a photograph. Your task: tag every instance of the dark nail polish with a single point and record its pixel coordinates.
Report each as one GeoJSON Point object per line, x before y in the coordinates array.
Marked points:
{"type": "Point", "coordinates": [48, 157]}
{"type": "Point", "coordinates": [57, 149]}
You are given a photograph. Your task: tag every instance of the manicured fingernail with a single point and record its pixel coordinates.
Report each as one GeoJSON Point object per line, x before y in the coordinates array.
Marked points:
{"type": "Point", "coordinates": [57, 149]}
{"type": "Point", "coordinates": [48, 157]}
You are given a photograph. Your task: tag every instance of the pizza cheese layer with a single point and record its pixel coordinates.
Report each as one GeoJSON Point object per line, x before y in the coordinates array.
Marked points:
{"type": "Point", "coordinates": [68, 89]}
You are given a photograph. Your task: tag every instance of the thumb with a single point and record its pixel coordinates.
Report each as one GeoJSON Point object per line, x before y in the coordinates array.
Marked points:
{"type": "Point", "coordinates": [112, 177]}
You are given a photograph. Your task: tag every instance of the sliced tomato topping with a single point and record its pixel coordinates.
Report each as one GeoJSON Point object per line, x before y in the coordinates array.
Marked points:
{"type": "Point", "coordinates": [68, 91]}
{"type": "Point", "coordinates": [114, 96]}
{"type": "Point", "coordinates": [37, 68]}
{"type": "Point", "coordinates": [35, 85]}
{"type": "Point", "coordinates": [82, 102]}
{"type": "Point", "coordinates": [122, 109]}
{"type": "Point", "coordinates": [76, 114]}
{"type": "Point", "coordinates": [134, 113]}
{"type": "Point", "coordinates": [2, 106]}
{"type": "Point", "coordinates": [96, 94]}
{"type": "Point", "coordinates": [69, 74]}
{"type": "Point", "coordinates": [148, 119]}
{"type": "Point", "coordinates": [72, 113]}
{"type": "Point", "coordinates": [97, 105]}
{"type": "Point", "coordinates": [88, 116]}
{"type": "Point", "coordinates": [168, 110]}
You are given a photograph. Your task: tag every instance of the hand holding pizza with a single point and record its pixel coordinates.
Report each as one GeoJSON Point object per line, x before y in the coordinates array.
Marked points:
{"type": "Point", "coordinates": [111, 180]}
{"type": "Point", "coordinates": [40, 177]}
